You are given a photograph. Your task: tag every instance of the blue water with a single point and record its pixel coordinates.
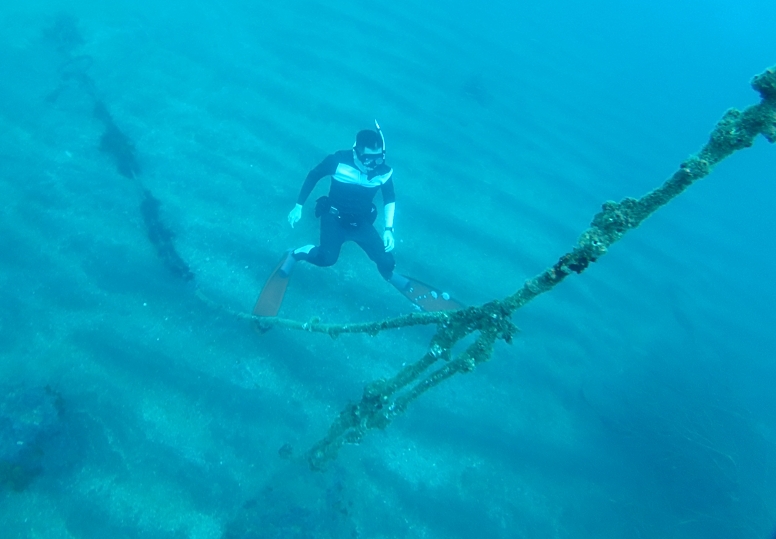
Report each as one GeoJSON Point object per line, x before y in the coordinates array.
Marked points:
{"type": "Point", "coordinates": [637, 400]}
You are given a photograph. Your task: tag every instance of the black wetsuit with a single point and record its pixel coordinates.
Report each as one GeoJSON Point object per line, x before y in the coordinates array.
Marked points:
{"type": "Point", "coordinates": [347, 214]}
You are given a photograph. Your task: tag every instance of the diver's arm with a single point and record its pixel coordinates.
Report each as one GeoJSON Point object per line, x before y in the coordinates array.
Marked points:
{"type": "Point", "coordinates": [294, 215]}
{"type": "Point", "coordinates": [389, 209]}
{"type": "Point", "coordinates": [326, 167]}
{"type": "Point", "coordinates": [389, 201]}
{"type": "Point", "coordinates": [388, 192]}
{"type": "Point", "coordinates": [388, 212]}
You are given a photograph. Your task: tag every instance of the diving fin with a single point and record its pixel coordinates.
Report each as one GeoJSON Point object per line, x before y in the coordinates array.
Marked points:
{"type": "Point", "coordinates": [425, 296]}
{"type": "Point", "coordinates": [271, 296]}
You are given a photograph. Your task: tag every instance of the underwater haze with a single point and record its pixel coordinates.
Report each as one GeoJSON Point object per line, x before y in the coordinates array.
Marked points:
{"type": "Point", "coordinates": [151, 152]}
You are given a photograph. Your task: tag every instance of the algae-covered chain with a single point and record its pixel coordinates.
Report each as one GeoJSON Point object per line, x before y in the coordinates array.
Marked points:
{"type": "Point", "coordinates": [384, 399]}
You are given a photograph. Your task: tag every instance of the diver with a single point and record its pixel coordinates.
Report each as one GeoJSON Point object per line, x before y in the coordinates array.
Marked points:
{"type": "Point", "coordinates": [347, 213]}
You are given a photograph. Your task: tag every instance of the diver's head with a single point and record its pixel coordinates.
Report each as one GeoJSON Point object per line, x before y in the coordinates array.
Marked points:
{"type": "Point", "coordinates": [369, 148]}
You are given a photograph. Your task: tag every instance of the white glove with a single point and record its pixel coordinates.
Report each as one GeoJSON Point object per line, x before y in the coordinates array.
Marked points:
{"type": "Point", "coordinates": [388, 241]}
{"type": "Point", "coordinates": [294, 215]}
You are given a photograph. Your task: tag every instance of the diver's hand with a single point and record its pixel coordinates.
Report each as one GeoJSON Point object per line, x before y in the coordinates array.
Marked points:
{"type": "Point", "coordinates": [388, 241]}
{"type": "Point", "coordinates": [294, 215]}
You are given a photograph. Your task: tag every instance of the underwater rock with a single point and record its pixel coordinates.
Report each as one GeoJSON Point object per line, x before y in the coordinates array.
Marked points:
{"type": "Point", "coordinates": [73, 74]}
{"type": "Point", "coordinates": [765, 83]}
{"type": "Point", "coordinates": [30, 425]}
{"type": "Point", "coordinates": [115, 143]}
{"type": "Point", "coordinates": [162, 238]}
{"type": "Point", "coordinates": [63, 33]}
{"type": "Point", "coordinates": [286, 451]}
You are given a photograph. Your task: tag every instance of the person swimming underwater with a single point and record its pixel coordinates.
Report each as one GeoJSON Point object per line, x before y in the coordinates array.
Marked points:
{"type": "Point", "coordinates": [348, 213]}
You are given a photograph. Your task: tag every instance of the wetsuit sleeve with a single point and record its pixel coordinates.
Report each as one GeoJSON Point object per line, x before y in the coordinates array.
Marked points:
{"type": "Point", "coordinates": [388, 193]}
{"type": "Point", "coordinates": [327, 167]}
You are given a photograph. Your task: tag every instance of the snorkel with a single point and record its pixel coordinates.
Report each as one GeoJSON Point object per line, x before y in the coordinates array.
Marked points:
{"type": "Point", "coordinates": [382, 137]}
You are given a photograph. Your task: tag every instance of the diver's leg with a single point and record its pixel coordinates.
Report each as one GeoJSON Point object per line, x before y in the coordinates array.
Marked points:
{"type": "Point", "coordinates": [370, 241]}
{"type": "Point", "coordinates": [399, 281]}
{"type": "Point", "coordinates": [327, 253]}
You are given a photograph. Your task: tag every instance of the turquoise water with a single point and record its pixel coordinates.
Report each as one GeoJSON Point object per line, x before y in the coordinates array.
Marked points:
{"type": "Point", "coordinates": [636, 402]}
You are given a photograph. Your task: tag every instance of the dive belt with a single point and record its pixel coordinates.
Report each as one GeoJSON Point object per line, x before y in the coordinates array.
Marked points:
{"type": "Point", "coordinates": [323, 206]}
